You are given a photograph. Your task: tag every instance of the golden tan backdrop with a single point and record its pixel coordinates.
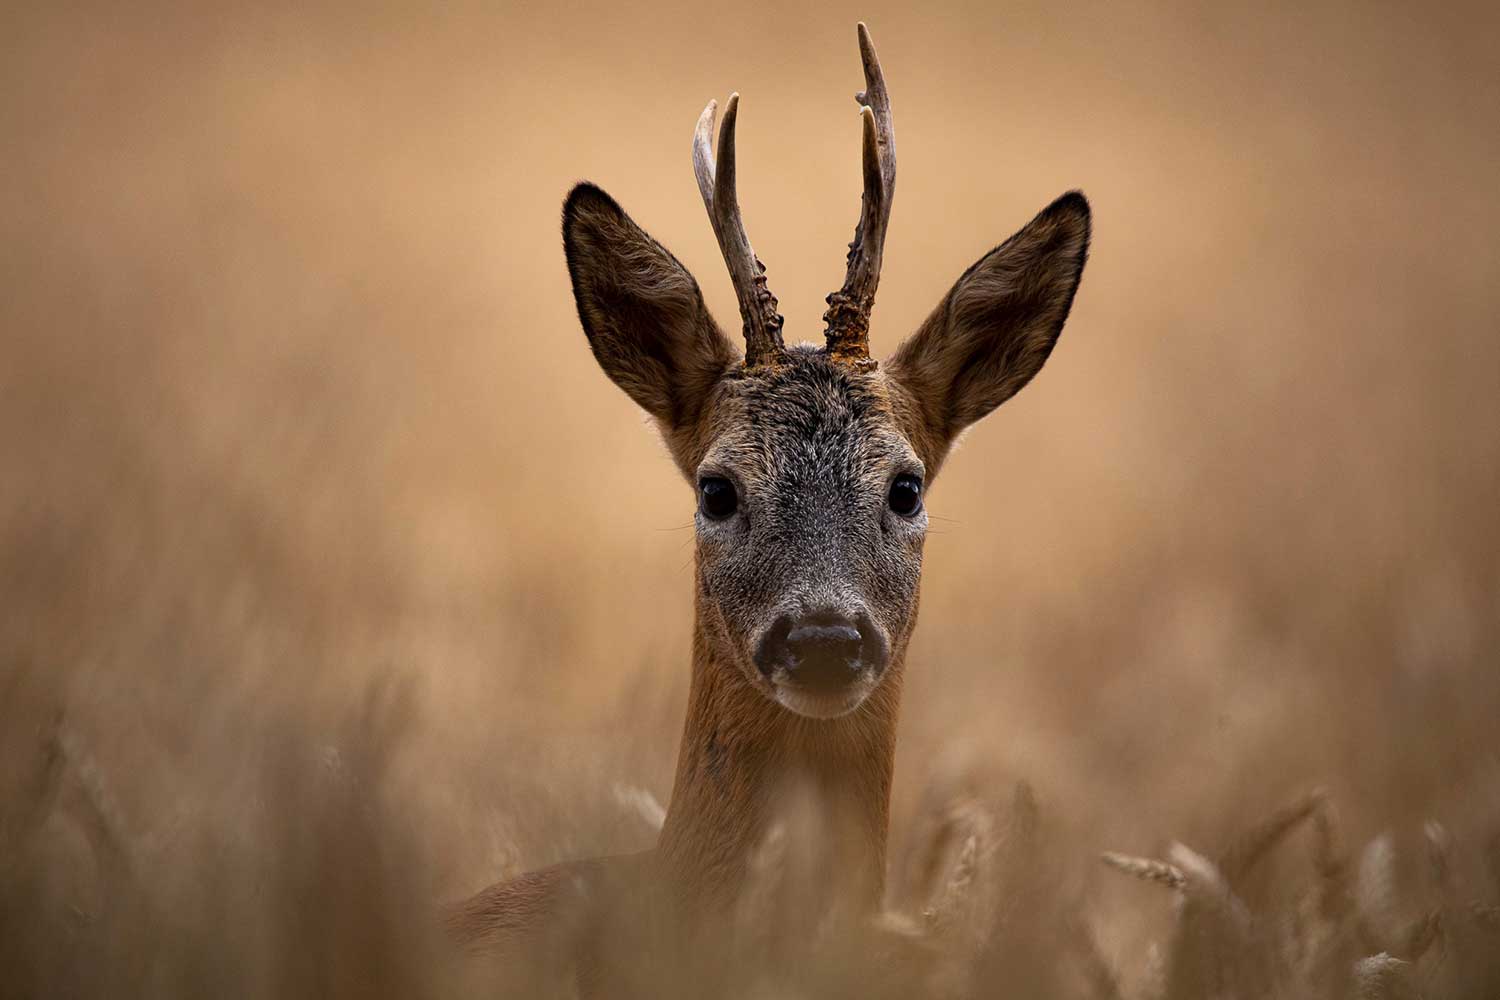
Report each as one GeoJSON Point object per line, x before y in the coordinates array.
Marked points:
{"type": "Point", "coordinates": [295, 403]}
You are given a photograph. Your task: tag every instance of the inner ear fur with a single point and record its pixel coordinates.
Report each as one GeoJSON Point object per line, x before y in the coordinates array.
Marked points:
{"type": "Point", "coordinates": [995, 329]}
{"type": "Point", "coordinates": [641, 310]}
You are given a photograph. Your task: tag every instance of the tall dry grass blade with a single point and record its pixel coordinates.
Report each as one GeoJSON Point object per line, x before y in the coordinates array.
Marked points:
{"type": "Point", "coordinates": [957, 888]}
{"type": "Point", "coordinates": [958, 922]}
{"type": "Point", "coordinates": [103, 821]}
{"type": "Point", "coordinates": [1329, 939]}
{"type": "Point", "coordinates": [1423, 932]}
{"type": "Point", "coordinates": [756, 910]}
{"type": "Point", "coordinates": [1330, 858]}
{"type": "Point", "coordinates": [1099, 976]}
{"type": "Point", "coordinates": [1019, 880]}
{"type": "Point", "coordinates": [957, 877]}
{"type": "Point", "coordinates": [1375, 891]}
{"type": "Point", "coordinates": [933, 848]}
{"type": "Point", "coordinates": [641, 803]}
{"type": "Point", "coordinates": [1254, 844]}
{"type": "Point", "coordinates": [1025, 813]}
{"type": "Point", "coordinates": [1439, 843]}
{"type": "Point", "coordinates": [1213, 953]}
{"type": "Point", "coordinates": [1153, 984]}
{"type": "Point", "coordinates": [953, 807]}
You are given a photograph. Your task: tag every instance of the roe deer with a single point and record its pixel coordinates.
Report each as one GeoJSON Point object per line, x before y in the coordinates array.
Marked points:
{"type": "Point", "coordinates": [810, 465]}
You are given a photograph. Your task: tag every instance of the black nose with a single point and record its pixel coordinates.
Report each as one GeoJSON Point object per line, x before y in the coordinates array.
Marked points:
{"type": "Point", "coordinates": [821, 652]}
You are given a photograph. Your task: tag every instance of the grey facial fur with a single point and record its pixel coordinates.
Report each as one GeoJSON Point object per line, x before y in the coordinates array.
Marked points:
{"type": "Point", "coordinates": [812, 447]}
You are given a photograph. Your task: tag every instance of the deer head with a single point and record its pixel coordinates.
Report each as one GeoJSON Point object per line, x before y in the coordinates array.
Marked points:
{"type": "Point", "coordinates": [810, 463]}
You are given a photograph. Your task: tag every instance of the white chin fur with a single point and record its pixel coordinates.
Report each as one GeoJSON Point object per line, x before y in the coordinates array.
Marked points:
{"type": "Point", "coordinates": [822, 706]}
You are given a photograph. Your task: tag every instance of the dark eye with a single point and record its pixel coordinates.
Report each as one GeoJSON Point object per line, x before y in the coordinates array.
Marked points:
{"type": "Point", "coordinates": [906, 495]}
{"type": "Point", "coordinates": [716, 497]}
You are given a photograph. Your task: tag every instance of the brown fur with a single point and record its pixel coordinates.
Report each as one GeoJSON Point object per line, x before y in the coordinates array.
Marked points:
{"type": "Point", "coordinates": [812, 445]}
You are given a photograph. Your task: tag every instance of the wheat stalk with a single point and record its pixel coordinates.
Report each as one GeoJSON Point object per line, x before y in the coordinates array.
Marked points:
{"type": "Point", "coordinates": [1146, 869]}
{"type": "Point", "coordinates": [1380, 977]}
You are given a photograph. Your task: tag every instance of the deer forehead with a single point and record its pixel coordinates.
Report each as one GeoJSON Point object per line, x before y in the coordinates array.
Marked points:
{"type": "Point", "coordinates": [803, 424]}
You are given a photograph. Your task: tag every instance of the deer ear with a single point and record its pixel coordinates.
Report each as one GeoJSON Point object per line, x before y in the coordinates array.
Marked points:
{"type": "Point", "coordinates": [995, 329]}
{"type": "Point", "coordinates": [641, 310]}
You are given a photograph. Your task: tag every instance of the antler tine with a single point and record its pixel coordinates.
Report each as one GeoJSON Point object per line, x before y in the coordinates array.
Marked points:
{"type": "Point", "coordinates": [878, 99]}
{"type": "Point", "coordinates": [716, 183]}
{"type": "Point", "coordinates": [848, 315]}
{"type": "Point", "coordinates": [703, 161]}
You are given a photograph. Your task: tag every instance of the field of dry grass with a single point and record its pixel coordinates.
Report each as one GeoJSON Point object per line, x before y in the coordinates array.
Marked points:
{"type": "Point", "coordinates": [338, 582]}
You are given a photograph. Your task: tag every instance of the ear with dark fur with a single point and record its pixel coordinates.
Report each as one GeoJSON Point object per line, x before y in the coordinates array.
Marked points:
{"type": "Point", "coordinates": [995, 329]}
{"type": "Point", "coordinates": [641, 310]}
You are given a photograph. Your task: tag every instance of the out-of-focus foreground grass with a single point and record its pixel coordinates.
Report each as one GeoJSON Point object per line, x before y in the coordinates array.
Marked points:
{"type": "Point", "coordinates": [338, 582]}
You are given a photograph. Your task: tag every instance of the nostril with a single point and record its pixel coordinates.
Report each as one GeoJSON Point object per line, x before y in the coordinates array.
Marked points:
{"type": "Point", "coordinates": [772, 652]}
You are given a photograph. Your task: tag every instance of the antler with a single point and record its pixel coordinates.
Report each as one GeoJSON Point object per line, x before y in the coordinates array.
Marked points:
{"type": "Point", "coordinates": [757, 304]}
{"type": "Point", "coordinates": [848, 315]}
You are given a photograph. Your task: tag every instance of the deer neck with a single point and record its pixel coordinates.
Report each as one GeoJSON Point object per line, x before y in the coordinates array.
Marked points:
{"type": "Point", "coordinates": [748, 766]}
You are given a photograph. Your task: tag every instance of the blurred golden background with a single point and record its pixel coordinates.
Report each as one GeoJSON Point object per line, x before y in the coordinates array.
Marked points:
{"type": "Point", "coordinates": [314, 502]}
